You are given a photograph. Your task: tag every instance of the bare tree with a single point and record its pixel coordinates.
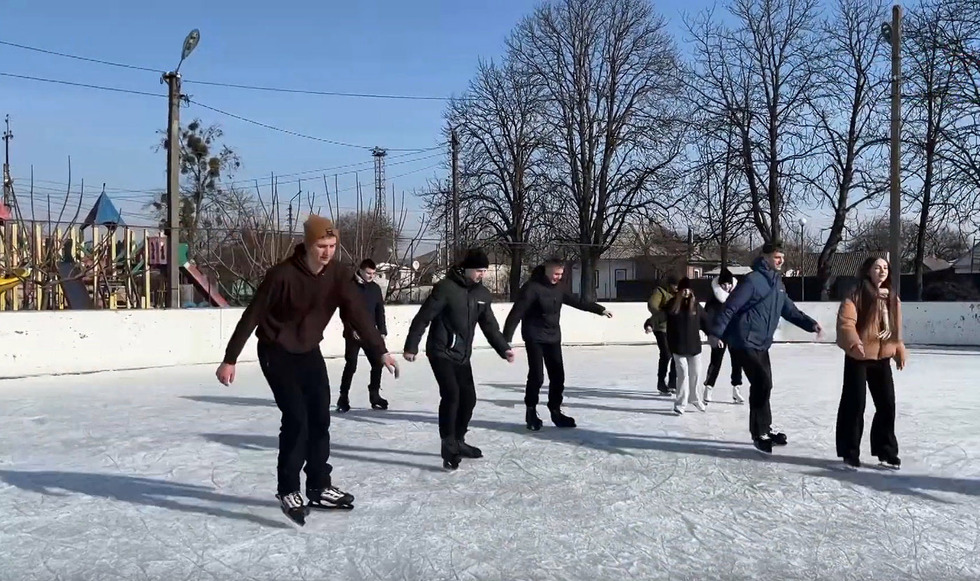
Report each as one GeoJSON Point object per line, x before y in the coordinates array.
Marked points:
{"type": "Point", "coordinates": [610, 74]}
{"type": "Point", "coordinates": [501, 131]}
{"type": "Point", "coordinates": [933, 116]}
{"type": "Point", "coordinates": [757, 74]}
{"type": "Point", "coordinates": [849, 110]}
{"type": "Point", "coordinates": [872, 235]}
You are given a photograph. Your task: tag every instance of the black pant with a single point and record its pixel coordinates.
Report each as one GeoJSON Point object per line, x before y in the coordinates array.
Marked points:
{"type": "Point", "coordinates": [666, 360]}
{"type": "Point", "coordinates": [457, 396]}
{"type": "Point", "coordinates": [717, 356]}
{"type": "Point", "coordinates": [758, 371]}
{"type": "Point", "coordinates": [877, 376]}
{"type": "Point", "coordinates": [302, 391]}
{"type": "Point", "coordinates": [539, 357]}
{"type": "Point", "coordinates": [351, 350]}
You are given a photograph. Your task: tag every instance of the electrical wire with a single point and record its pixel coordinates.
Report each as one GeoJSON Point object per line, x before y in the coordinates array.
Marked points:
{"type": "Point", "coordinates": [86, 85]}
{"type": "Point", "coordinates": [79, 58]}
{"type": "Point", "coordinates": [319, 92]}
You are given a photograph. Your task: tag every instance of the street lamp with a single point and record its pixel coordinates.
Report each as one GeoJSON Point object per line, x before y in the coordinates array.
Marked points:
{"type": "Point", "coordinates": [802, 273]}
{"type": "Point", "coordinates": [173, 171]}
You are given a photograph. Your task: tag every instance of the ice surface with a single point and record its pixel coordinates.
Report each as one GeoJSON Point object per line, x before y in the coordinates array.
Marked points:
{"type": "Point", "coordinates": [165, 474]}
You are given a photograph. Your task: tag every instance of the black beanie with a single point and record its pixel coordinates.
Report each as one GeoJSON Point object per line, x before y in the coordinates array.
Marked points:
{"type": "Point", "coordinates": [475, 258]}
{"type": "Point", "coordinates": [726, 277]}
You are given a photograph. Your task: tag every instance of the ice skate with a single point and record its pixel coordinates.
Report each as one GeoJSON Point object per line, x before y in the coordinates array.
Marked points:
{"type": "Point", "coordinates": [467, 451]}
{"type": "Point", "coordinates": [532, 420]}
{"type": "Point", "coordinates": [330, 497]}
{"type": "Point", "coordinates": [707, 393]}
{"type": "Point", "coordinates": [737, 394]}
{"type": "Point", "coordinates": [662, 388]}
{"type": "Point", "coordinates": [292, 506]}
{"type": "Point", "coordinates": [561, 420]}
{"type": "Point", "coordinates": [763, 444]}
{"type": "Point", "coordinates": [377, 402]}
{"type": "Point", "coordinates": [343, 403]}
{"type": "Point", "coordinates": [699, 406]}
{"type": "Point", "coordinates": [850, 463]}
{"type": "Point", "coordinates": [778, 438]}
{"type": "Point", "coordinates": [890, 462]}
{"type": "Point", "coordinates": [678, 411]}
{"type": "Point", "coordinates": [450, 453]}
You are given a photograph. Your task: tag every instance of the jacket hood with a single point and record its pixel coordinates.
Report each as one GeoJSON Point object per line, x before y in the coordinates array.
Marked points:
{"type": "Point", "coordinates": [538, 275]}
{"type": "Point", "coordinates": [762, 267]}
{"type": "Point", "coordinates": [720, 293]}
{"type": "Point", "coordinates": [457, 275]}
{"type": "Point", "coordinates": [299, 260]}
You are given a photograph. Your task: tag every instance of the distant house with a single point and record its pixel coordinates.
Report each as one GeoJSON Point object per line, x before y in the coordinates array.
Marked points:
{"type": "Point", "coordinates": [841, 263]}
{"type": "Point", "coordinates": [969, 263]}
{"type": "Point", "coordinates": [432, 269]}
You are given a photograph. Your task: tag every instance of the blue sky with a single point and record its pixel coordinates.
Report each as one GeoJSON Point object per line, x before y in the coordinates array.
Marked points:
{"type": "Point", "coordinates": [423, 47]}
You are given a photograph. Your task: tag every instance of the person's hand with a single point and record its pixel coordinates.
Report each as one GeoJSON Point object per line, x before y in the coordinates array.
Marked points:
{"type": "Point", "coordinates": [408, 356]}
{"type": "Point", "coordinates": [509, 355]}
{"type": "Point", "coordinates": [607, 314]}
{"type": "Point", "coordinates": [715, 342]}
{"type": "Point", "coordinates": [355, 335]}
{"type": "Point", "coordinates": [225, 373]}
{"type": "Point", "coordinates": [389, 360]}
{"type": "Point", "coordinates": [818, 330]}
{"type": "Point", "coordinates": [648, 330]}
{"type": "Point", "coordinates": [900, 359]}
{"type": "Point", "coordinates": [859, 349]}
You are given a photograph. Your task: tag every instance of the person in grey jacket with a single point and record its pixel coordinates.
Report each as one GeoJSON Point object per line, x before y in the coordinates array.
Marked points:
{"type": "Point", "coordinates": [748, 323]}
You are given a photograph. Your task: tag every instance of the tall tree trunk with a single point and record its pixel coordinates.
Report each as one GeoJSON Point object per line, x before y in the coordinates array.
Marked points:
{"type": "Point", "coordinates": [589, 260]}
{"type": "Point", "coordinates": [516, 270]}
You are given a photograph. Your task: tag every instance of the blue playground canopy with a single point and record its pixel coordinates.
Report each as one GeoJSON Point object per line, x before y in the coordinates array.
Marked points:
{"type": "Point", "coordinates": [103, 213]}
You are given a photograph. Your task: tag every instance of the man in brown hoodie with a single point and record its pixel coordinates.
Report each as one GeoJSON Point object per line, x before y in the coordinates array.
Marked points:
{"type": "Point", "coordinates": [289, 311]}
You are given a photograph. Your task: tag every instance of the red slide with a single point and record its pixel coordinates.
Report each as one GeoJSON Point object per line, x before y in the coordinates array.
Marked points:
{"type": "Point", "coordinates": [204, 285]}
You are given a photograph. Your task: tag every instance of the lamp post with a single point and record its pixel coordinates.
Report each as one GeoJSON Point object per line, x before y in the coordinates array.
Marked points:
{"type": "Point", "coordinates": [892, 34]}
{"type": "Point", "coordinates": [802, 274]}
{"type": "Point", "coordinates": [172, 79]}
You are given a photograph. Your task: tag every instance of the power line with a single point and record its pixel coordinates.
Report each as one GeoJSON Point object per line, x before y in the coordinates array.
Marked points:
{"type": "Point", "coordinates": [295, 133]}
{"type": "Point", "coordinates": [319, 92]}
{"type": "Point", "coordinates": [79, 58]}
{"type": "Point", "coordinates": [86, 85]}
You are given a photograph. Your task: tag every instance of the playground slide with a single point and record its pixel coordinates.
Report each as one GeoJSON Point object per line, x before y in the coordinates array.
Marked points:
{"type": "Point", "coordinates": [10, 282]}
{"type": "Point", "coordinates": [204, 285]}
{"type": "Point", "coordinates": [76, 293]}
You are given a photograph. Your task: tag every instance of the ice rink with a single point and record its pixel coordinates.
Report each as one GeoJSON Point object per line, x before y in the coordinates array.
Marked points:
{"type": "Point", "coordinates": [165, 474]}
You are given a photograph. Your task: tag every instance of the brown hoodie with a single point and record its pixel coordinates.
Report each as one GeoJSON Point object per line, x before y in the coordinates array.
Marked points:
{"type": "Point", "coordinates": [875, 348]}
{"type": "Point", "coordinates": [292, 307]}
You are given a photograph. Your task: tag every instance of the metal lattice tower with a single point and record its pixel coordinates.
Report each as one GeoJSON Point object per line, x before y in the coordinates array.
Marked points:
{"type": "Point", "coordinates": [379, 180]}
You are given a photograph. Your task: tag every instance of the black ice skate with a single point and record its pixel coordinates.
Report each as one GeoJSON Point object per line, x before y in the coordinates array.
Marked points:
{"type": "Point", "coordinates": [662, 388]}
{"type": "Point", "coordinates": [467, 451]}
{"type": "Point", "coordinates": [778, 438]}
{"type": "Point", "coordinates": [763, 444]}
{"type": "Point", "coordinates": [343, 403]}
{"type": "Point", "coordinates": [851, 463]}
{"type": "Point", "coordinates": [561, 420]}
{"type": "Point", "coordinates": [329, 498]}
{"type": "Point", "coordinates": [450, 453]}
{"type": "Point", "coordinates": [890, 462]}
{"type": "Point", "coordinates": [534, 423]}
{"type": "Point", "coordinates": [292, 507]}
{"type": "Point", "coordinates": [377, 402]}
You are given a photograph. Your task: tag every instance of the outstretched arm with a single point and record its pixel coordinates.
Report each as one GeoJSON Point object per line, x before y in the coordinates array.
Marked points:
{"type": "Point", "coordinates": [575, 302]}
{"type": "Point", "coordinates": [798, 317]}
{"type": "Point", "coordinates": [742, 294]}
{"type": "Point", "coordinates": [517, 312]}
{"type": "Point", "coordinates": [429, 310]}
{"type": "Point", "coordinates": [491, 330]}
{"type": "Point", "coordinates": [256, 309]}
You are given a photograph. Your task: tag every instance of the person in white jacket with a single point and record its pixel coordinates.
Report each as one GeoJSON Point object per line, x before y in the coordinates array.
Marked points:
{"type": "Point", "coordinates": [721, 286]}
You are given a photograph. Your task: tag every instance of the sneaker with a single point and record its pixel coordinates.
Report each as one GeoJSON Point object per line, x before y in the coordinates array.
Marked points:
{"type": "Point", "coordinates": [343, 403]}
{"type": "Point", "coordinates": [763, 444]}
{"type": "Point", "coordinates": [329, 497]}
{"type": "Point", "coordinates": [737, 394]}
{"type": "Point", "coordinates": [377, 402]}
{"type": "Point", "coordinates": [292, 507]}
{"type": "Point", "coordinates": [561, 420]}
{"type": "Point", "coordinates": [891, 462]}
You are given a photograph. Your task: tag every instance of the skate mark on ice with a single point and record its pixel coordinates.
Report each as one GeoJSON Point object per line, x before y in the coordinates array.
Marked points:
{"type": "Point", "coordinates": [260, 442]}
{"type": "Point", "coordinates": [139, 491]}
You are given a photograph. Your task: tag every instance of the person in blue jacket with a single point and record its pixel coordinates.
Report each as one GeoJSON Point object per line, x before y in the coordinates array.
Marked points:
{"type": "Point", "coordinates": [747, 323]}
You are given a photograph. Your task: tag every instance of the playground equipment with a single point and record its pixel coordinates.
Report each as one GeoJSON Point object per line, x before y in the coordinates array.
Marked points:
{"type": "Point", "coordinates": [19, 275]}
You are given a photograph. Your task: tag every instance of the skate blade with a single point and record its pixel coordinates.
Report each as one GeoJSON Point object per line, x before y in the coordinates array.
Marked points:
{"type": "Point", "coordinates": [331, 507]}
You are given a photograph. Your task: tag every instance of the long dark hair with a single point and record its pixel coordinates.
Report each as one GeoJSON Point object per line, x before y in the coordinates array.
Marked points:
{"type": "Point", "coordinates": [866, 297]}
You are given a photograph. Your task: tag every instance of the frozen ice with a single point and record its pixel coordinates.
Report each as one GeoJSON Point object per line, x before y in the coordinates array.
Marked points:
{"type": "Point", "coordinates": [165, 474]}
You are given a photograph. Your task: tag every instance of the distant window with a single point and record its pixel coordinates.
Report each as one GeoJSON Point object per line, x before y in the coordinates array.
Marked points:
{"type": "Point", "coordinates": [620, 274]}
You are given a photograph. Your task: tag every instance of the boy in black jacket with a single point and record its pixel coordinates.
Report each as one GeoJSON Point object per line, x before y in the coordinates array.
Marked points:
{"type": "Point", "coordinates": [538, 309]}
{"type": "Point", "coordinates": [454, 307]}
{"type": "Point", "coordinates": [374, 303]}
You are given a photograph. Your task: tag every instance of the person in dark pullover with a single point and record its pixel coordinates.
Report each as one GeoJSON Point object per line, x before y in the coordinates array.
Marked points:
{"type": "Point", "coordinates": [289, 312]}
{"type": "Point", "coordinates": [747, 323]}
{"type": "Point", "coordinates": [374, 303]}
{"type": "Point", "coordinates": [538, 310]}
{"type": "Point", "coordinates": [454, 308]}
{"type": "Point", "coordinates": [721, 287]}
{"type": "Point", "coordinates": [658, 300]}
{"type": "Point", "coordinates": [685, 321]}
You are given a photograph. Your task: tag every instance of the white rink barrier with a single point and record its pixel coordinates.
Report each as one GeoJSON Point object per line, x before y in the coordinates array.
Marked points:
{"type": "Point", "coordinates": [64, 342]}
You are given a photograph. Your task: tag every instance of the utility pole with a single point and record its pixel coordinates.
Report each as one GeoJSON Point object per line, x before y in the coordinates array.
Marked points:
{"type": "Point", "coordinates": [894, 34]}
{"type": "Point", "coordinates": [454, 145]}
{"type": "Point", "coordinates": [173, 172]}
{"type": "Point", "coordinates": [8, 182]}
{"type": "Point", "coordinates": [173, 190]}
